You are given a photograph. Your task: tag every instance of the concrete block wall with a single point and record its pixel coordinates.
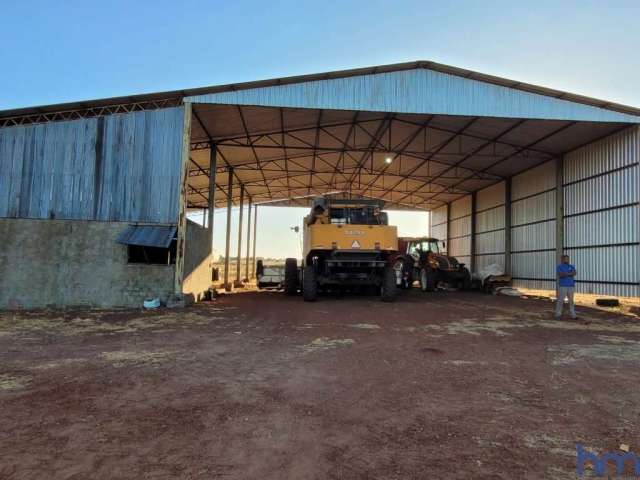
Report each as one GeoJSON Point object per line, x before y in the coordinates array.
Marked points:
{"type": "Point", "coordinates": [56, 263]}
{"type": "Point", "coordinates": [197, 261]}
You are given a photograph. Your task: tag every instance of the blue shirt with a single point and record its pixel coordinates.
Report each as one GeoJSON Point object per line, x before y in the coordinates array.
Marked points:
{"type": "Point", "coordinates": [566, 281]}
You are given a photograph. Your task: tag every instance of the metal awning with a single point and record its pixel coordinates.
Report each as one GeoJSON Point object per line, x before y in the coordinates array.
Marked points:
{"type": "Point", "coordinates": [148, 235]}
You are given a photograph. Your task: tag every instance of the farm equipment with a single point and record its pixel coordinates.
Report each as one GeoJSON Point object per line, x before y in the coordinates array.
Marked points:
{"type": "Point", "coordinates": [420, 259]}
{"type": "Point", "coordinates": [269, 276]}
{"type": "Point", "coordinates": [346, 244]}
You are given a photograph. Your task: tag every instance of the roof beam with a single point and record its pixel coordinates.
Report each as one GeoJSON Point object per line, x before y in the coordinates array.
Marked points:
{"type": "Point", "coordinates": [507, 157]}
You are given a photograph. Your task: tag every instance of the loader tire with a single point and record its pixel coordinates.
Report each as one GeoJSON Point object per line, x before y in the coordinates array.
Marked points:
{"type": "Point", "coordinates": [405, 274]}
{"type": "Point", "coordinates": [309, 284]}
{"type": "Point", "coordinates": [290, 276]}
{"type": "Point", "coordinates": [427, 280]}
{"type": "Point", "coordinates": [466, 281]}
{"type": "Point", "coordinates": [388, 290]}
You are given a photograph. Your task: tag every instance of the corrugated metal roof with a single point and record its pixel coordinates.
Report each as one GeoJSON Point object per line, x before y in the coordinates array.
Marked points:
{"type": "Point", "coordinates": [419, 90]}
{"type": "Point", "coordinates": [178, 95]}
{"type": "Point", "coordinates": [147, 235]}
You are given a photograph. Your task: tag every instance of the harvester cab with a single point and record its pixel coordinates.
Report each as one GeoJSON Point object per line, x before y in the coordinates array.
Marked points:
{"type": "Point", "coordinates": [346, 244]}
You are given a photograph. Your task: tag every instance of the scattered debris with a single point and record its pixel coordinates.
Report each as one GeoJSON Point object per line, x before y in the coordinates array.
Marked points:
{"type": "Point", "coordinates": [620, 352]}
{"type": "Point", "coordinates": [11, 382]}
{"type": "Point", "coordinates": [176, 301]}
{"type": "Point", "coordinates": [101, 323]}
{"type": "Point", "coordinates": [151, 303]}
{"type": "Point", "coordinates": [505, 290]}
{"type": "Point", "coordinates": [366, 326]}
{"type": "Point", "coordinates": [624, 447]}
{"type": "Point", "coordinates": [493, 279]}
{"type": "Point", "coordinates": [325, 343]}
{"type": "Point", "coordinates": [60, 363]}
{"type": "Point", "coordinates": [432, 350]}
{"type": "Point", "coordinates": [607, 302]}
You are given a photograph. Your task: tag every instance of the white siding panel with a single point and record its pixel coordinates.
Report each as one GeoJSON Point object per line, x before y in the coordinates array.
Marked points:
{"type": "Point", "coordinates": [616, 188]}
{"type": "Point", "coordinates": [602, 264]}
{"type": "Point", "coordinates": [603, 228]}
{"type": "Point", "coordinates": [490, 197]}
{"type": "Point", "coordinates": [606, 176]}
{"type": "Point", "coordinates": [535, 265]}
{"type": "Point", "coordinates": [439, 232]}
{"type": "Point", "coordinates": [609, 289]}
{"type": "Point", "coordinates": [535, 284]}
{"type": "Point", "coordinates": [492, 242]}
{"type": "Point", "coordinates": [460, 227]}
{"type": "Point", "coordinates": [538, 179]}
{"type": "Point", "coordinates": [482, 261]}
{"type": "Point", "coordinates": [490, 219]}
{"type": "Point", "coordinates": [461, 207]}
{"type": "Point", "coordinates": [460, 247]}
{"type": "Point", "coordinates": [613, 152]}
{"type": "Point", "coordinates": [534, 209]}
{"type": "Point", "coordinates": [538, 236]}
{"type": "Point", "coordinates": [439, 215]}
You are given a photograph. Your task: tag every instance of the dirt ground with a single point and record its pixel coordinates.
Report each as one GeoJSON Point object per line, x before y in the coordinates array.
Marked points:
{"type": "Point", "coordinates": [446, 385]}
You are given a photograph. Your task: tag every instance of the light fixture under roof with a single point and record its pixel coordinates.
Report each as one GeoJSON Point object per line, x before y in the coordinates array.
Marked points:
{"type": "Point", "coordinates": [388, 160]}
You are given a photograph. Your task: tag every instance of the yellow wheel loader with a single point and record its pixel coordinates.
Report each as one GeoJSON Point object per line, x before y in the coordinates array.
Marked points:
{"type": "Point", "coordinates": [347, 244]}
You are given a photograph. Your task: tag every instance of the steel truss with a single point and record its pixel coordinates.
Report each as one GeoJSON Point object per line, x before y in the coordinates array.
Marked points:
{"type": "Point", "coordinates": [294, 162]}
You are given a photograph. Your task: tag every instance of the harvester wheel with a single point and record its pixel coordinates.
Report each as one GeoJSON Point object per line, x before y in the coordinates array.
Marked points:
{"type": "Point", "coordinates": [290, 276]}
{"type": "Point", "coordinates": [466, 281]}
{"type": "Point", "coordinates": [427, 280]}
{"type": "Point", "coordinates": [404, 273]}
{"type": "Point", "coordinates": [388, 289]}
{"type": "Point", "coordinates": [309, 284]}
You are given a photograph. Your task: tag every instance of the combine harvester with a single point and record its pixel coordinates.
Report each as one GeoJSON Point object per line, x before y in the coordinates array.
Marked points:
{"type": "Point", "coordinates": [347, 245]}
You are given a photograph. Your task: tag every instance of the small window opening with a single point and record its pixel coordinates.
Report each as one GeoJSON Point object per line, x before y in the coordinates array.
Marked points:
{"type": "Point", "coordinates": [152, 255]}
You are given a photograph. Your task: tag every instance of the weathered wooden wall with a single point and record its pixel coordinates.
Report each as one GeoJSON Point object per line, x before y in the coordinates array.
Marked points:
{"type": "Point", "coordinates": [116, 168]}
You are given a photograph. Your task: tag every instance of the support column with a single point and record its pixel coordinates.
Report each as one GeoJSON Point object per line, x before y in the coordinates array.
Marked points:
{"type": "Point", "coordinates": [507, 226]}
{"type": "Point", "coordinates": [474, 207]}
{"type": "Point", "coordinates": [448, 228]}
{"type": "Point", "coordinates": [213, 165]}
{"type": "Point", "coordinates": [559, 208]}
{"type": "Point", "coordinates": [182, 206]}
{"type": "Point", "coordinates": [248, 258]}
{"type": "Point", "coordinates": [255, 231]}
{"type": "Point", "coordinates": [238, 283]}
{"type": "Point", "coordinates": [227, 285]}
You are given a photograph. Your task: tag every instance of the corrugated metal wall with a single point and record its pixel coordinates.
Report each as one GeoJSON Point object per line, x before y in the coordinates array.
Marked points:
{"type": "Point", "coordinates": [460, 233]}
{"type": "Point", "coordinates": [115, 168]}
{"type": "Point", "coordinates": [490, 217]}
{"type": "Point", "coordinates": [602, 214]}
{"type": "Point", "coordinates": [533, 219]}
{"type": "Point", "coordinates": [438, 225]}
{"type": "Point", "coordinates": [601, 220]}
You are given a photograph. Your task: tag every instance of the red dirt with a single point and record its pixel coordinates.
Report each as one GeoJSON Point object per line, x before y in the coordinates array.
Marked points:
{"type": "Point", "coordinates": [263, 386]}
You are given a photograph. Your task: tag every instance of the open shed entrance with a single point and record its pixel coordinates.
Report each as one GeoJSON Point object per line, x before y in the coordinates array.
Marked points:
{"type": "Point", "coordinates": [286, 156]}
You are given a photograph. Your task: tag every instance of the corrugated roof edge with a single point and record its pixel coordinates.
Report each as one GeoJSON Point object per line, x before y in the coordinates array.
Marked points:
{"type": "Point", "coordinates": [439, 67]}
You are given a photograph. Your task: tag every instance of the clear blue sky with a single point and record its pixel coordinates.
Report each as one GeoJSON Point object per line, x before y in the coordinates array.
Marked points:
{"type": "Point", "coordinates": [58, 51]}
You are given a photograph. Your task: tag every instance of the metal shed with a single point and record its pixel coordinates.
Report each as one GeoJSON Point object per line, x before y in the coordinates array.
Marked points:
{"type": "Point", "coordinates": [513, 173]}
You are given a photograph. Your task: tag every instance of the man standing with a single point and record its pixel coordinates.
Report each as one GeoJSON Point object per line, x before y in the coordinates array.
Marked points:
{"type": "Point", "coordinates": [566, 286]}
